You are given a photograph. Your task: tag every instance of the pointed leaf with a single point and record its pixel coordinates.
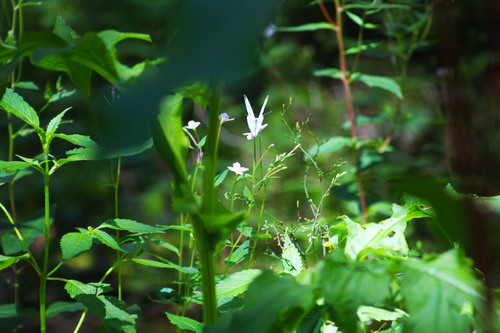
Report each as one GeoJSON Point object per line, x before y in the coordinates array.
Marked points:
{"type": "Point", "coordinates": [6, 261]}
{"type": "Point", "coordinates": [165, 264]}
{"type": "Point", "coordinates": [291, 258]}
{"type": "Point", "coordinates": [59, 307]}
{"type": "Point", "coordinates": [106, 239]}
{"type": "Point", "coordinates": [131, 226]}
{"type": "Point", "coordinates": [307, 27]}
{"type": "Point", "coordinates": [381, 82]}
{"type": "Point", "coordinates": [54, 122]}
{"type": "Point", "coordinates": [16, 105]}
{"type": "Point", "coordinates": [239, 255]}
{"type": "Point", "coordinates": [185, 323]}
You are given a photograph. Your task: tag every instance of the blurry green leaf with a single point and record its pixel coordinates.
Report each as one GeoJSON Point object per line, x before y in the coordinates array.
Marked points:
{"type": "Point", "coordinates": [334, 73]}
{"type": "Point", "coordinates": [6, 261]}
{"type": "Point", "coordinates": [62, 30]}
{"type": "Point", "coordinates": [347, 284]}
{"type": "Point", "coordinates": [75, 243]}
{"type": "Point", "coordinates": [29, 230]}
{"type": "Point", "coordinates": [307, 27]}
{"type": "Point", "coordinates": [272, 304]}
{"type": "Point", "coordinates": [7, 52]}
{"type": "Point", "coordinates": [363, 47]}
{"type": "Point", "coordinates": [237, 283]}
{"type": "Point", "coordinates": [220, 178]}
{"type": "Point", "coordinates": [359, 21]}
{"type": "Point", "coordinates": [13, 316]}
{"type": "Point", "coordinates": [28, 85]}
{"type": "Point", "coordinates": [332, 145]}
{"type": "Point", "coordinates": [387, 235]}
{"type": "Point", "coordinates": [54, 122]}
{"type": "Point", "coordinates": [165, 245]}
{"type": "Point", "coordinates": [59, 307]}
{"type": "Point", "coordinates": [166, 264]}
{"type": "Point", "coordinates": [99, 153]}
{"type": "Point", "coordinates": [131, 226]}
{"type": "Point", "coordinates": [169, 138]}
{"type": "Point", "coordinates": [185, 323]}
{"type": "Point", "coordinates": [291, 258]}
{"type": "Point", "coordinates": [16, 105]}
{"type": "Point", "coordinates": [368, 313]}
{"type": "Point", "coordinates": [435, 291]}
{"type": "Point", "coordinates": [381, 82]}
{"type": "Point", "coordinates": [106, 239]}
{"type": "Point", "coordinates": [376, 5]}
{"type": "Point", "coordinates": [239, 255]}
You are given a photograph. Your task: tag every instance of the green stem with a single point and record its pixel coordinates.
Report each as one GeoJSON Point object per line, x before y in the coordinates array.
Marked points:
{"type": "Point", "coordinates": [43, 277]}
{"type": "Point", "coordinates": [116, 185]}
{"type": "Point", "coordinates": [259, 226]}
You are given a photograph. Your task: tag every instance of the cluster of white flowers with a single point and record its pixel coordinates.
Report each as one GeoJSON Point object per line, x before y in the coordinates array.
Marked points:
{"type": "Point", "coordinates": [255, 125]}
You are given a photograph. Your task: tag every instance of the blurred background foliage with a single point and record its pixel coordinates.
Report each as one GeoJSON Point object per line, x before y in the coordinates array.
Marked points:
{"type": "Point", "coordinates": [423, 152]}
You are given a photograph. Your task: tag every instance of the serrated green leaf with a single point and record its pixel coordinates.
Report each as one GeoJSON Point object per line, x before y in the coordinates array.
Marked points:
{"type": "Point", "coordinates": [76, 288]}
{"type": "Point", "coordinates": [166, 264]}
{"type": "Point", "coordinates": [6, 261]}
{"type": "Point", "coordinates": [381, 82]}
{"type": "Point", "coordinates": [131, 226]}
{"type": "Point", "coordinates": [59, 307]}
{"type": "Point", "coordinates": [307, 27]}
{"type": "Point", "coordinates": [291, 258]}
{"type": "Point", "coordinates": [237, 283]}
{"type": "Point", "coordinates": [16, 105]}
{"type": "Point", "coordinates": [54, 122]}
{"type": "Point", "coordinates": [435, 290]}
{"type": "Point", "coordinates": [106, 239]}
{"type": "Point", "coordinates": [185, 323]}
{"type": "Point", "coordinates": [75, 243]}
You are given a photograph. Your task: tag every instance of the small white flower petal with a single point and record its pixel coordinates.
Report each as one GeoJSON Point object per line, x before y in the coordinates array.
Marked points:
{"type": "Point", "coordinates": [192, 124]}
{"type": "Point", "coordinates": [237, 168]}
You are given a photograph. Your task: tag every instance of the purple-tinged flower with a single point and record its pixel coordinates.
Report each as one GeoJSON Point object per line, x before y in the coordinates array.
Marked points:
{"type": "Point", "coordinates": [225, 117]}
{"type": "Point", "coordinates": [199, 156]}
{"type": "Point", "coordinates": [254, 124]}
{"type": "Point", "coordinates": [237, 168]}
{"type": "Point", "coordinates": [192, 125]}
{"type": "Point", "coordinates": [270, 30]}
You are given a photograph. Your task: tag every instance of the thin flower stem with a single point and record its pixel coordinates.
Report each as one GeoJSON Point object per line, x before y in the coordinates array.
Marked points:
{"type": "Point", "coordinates": [116, 185]}
{"type": "Point", "coordinates": [259, 226]}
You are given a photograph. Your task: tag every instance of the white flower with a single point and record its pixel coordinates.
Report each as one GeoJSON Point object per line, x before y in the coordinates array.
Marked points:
{"type": "Point", "coordinates": [225, 117]}
{"type": "Point", "coordinates": [192, 125]}
{"type": "Point", "coordinates": [254, 124]}
{"type": "Point", "coordinates": [237, 168]}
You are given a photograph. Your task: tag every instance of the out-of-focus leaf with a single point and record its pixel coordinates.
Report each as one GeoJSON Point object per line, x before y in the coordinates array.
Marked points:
{"type": "Point", "coordinates": [334, 73]}
{"type": "Point", "coordinates": [381, 82]}
{"type": "Point", "coordinates": [239, 255]}
{"type": "Point", "coordinates": [436, 289]}
{"type": "Point", "coordinates": [307, 27]}
{"type": "Point", "coordinates": [29, 230]}
{"type": "Point", "coordinates": [165, 264]}
{"type": "Point", "coordinates": [131, 226]}
{"type": "Point", "coordinates": [59, 307]}
{"type": "Point", "coordinates": [6, 261]}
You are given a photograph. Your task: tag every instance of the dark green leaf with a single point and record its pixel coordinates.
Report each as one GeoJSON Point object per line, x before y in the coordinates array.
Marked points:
{"type": "Point", "coordinates": [59, 307]}
{"type": "Point", "coordinates": [165, 264]}
{"type": "Point", "coordinates": [381, 82]}
{"type": "Point", "coordinates": [334, 73]}
{"type": "Point", "coordinates": [29, 230]}
{"type": "Point", "coordinates": [6, 261]}
{"type": "Point", "coordinates": [307, 27]}
{"type": "Point", "coordinates": [75, 243]}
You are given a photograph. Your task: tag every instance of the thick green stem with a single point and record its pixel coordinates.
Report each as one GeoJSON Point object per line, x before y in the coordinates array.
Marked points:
{"type": "Point", "coordinates": [43, 277]}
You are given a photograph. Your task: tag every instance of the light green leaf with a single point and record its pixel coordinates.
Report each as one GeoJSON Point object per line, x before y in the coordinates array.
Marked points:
{"type": "Point", "coordinates": [220, 178]}
{"type": "Point", "coordinates": [237, 283]}
{"type": "Point", "coordinates": [16, 105]}
{"type": "Point", "coordinates": [291, 258]}
{"type": "Point", "coordinates": [240, 254]}
{"type": "Point", "coordinates": [75, 243]}
{"type": "Point", "coordinates": [78, 140]}
{"type": "Point", "coordinates": [185, 323]}
{"type": "Point", "coordinates": [59, 307]}
{"type": "Point", "coordinates": [28, 85]}
{"type": "Point", "coordinates": [333, 145]}
{"type": "Point", "coordinates": [54, 123]}
{"type": "Point", "coordinates": [75, 288]}
{"type": "Point", "coordinates": [381, 82]}
{"type": "Point", "coordinates": [387, 236]}
{"type": "Point", "coordinates": [334, 73]}
{"type": "Point", "coordinates": [131, 226]}
{"type": "Point", "coordinates": [368, 313]}
{"type": "Point", "coordinates": [6, 261]}
{"type": "Point", "coordinates": [106, 239]}
{"type": "Point", "coordinates": [435, 290]}
{"type": "Point", "coordinates": [307, 27]}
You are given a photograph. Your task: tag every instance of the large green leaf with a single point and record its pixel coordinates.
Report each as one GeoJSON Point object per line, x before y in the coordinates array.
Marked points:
{"type": "Point", "coordinates": [16, 105]}
{"type": "Point", "coordinates": [6, 261]}
{"type": "Point", "coordinates": [272, 304]}
{"type": "Point", "coordinates": [237, 283]}
{"type": "Point", "coordinates": [347, 284]}
{"type": "Point", "coordinates": [59, 307]}
{"type": "Point", "coordinates": [386, 236]}
{"type": "Point", "coordinates": [75, 243]}
{"type": "Point", "coordinates": [435, 291]}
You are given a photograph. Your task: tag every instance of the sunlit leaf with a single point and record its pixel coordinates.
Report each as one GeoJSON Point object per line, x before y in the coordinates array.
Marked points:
{"type": "Point", "coordinates": [16, 105]}
{"type": "Point", "coordinates": [185, 323]}
{"type": "Point", "coordinates": [75, 243]}
{"type": "Point", "coordinates": [237, 283]}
